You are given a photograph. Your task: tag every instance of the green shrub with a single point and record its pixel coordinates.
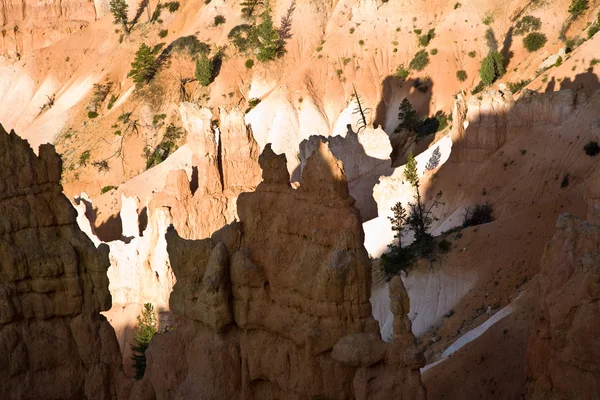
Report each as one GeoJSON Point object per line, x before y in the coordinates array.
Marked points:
{"type": "Point", "coordinates": [591, 148]}
{"type": "Point", "coordinates": [191, 44]}
{"type": "Point", "coordinates": [119, 10]}
{"type": "Point", "coordinates": [111, 101]}
{"type": "Point", "coordinates": [461, 75]}
{"type": "Point", "coordinates": [172, 6]}
{"type": "Point", "coordinates": [594, 62]}
{"type": "Point", "coordinates": [146, 329]}
{"type": "Point", "coordinates": [157, 48]}
{"type": "Point", "coordinates": [361, 42]}
{"type": "Point", "coordinates": [84, 157]}
{"type": "Point", "coordinates": [165, 147]}
{"type": "Point", "coordinates": [433, 52]}
{"type": "Point", "coordinates": [158, 118]}
{"type": "Point", "coordinates": [248, 7]}
{"type": "Point", "coordinates": [488, 18]}
{"type": "Point", "coordinates": [527, 24]}
{"type": "Point", "coordinates": [472, 54]}
{"type": "Point", "coordinates": [249, 63]}
{"type": "Point", "coordinates": [593, 30]}
{"type": "Point", "coordinates": [480, 86]}
{"type": "Point", "coordinates": [492, 67]}
{"type": "Point", "coordinates": [445, 246]}
{"type": "Point", "coordinates": [517, 86]}
{"type": "Point", "coordinates": [424, 40]}
{"type": "Point", "coordinates": [578, 7]}
{"type": "Point", "coordinates": [107, 189]}
{"type": "Point", "coordinates": [204, 70]}
{"type": "Point", "coordinates": [144, 67]}
{"type": "Point", "coordinates": [242, 37]}
{"type": "Point", "coordinates": [163, 33]}
{"type": "Point", "coordinates": [457, 5]}
{"type": "Point", "coordinates": [402, 72]}
{"type": "Point", "coordinates": [252, 103]}
{"type": "Point", "coordinates": [558, 62]}
{"type": "Point", "coordinates": [351, 31]}
{"type": "Point", "coordinates": [219, 19]}
{"type": "Point", "coordinates": [420, 61]}
{"type": "Point", "coordinates": [534, 41]}
{"type": "Point", "coordinates": [478, 214]}
{"type": "Point", "coordinates": [92, 114]}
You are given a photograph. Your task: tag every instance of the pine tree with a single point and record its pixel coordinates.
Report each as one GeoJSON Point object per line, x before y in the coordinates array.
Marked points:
{"type": "Point", "coordinates": [204, 70]}
{"type": "Point", "coordinates": [434, 160]}
{"type": "Point", "coordinates": [146, 331]}
{"type": "Point", "coordinates": [248, 7]}
{"type": "Point", "coordinates": [118, 9]}
{"type": "Point", "coordinates": [268, 38]}
{"type": "Point", "coordinates": [144, 67]}
{"type": "Point", "coordinates": [408, 116]}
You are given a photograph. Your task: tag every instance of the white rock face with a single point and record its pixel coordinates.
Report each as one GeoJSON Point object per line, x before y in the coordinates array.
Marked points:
{"type": "Point", "coordinates": [366, 157]}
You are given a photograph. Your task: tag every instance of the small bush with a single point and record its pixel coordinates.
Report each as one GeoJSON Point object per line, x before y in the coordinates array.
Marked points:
{"type": "Point", "coordinates": [478, 214]}
{"type": "Point", "coordinates": [472, 54]}
{"type": "Point", "coordinates": [84, 157]}
{"type": "Point", "coordinates": [219, 19]}
{"type": "Point", "coordinates": [527, 24]}
{"type": "Point", "coordinates": [480, 86]}
{"type": "Point", "coordinates": [534, 41]}
{"type": "Point", "coordinates": [565, 181]}
{"type": "Point", "coordinates": [444, 246]}
{"type": "Point", "coordinates": [433, 52]}
{"type": "Point", "coordinates": [457, 5]}
{"type": "Point", "coordinates": [112, 101]}
{"type": "Point", "coordinates": [172, 6]}
{"type": "Point", "coordinates": [593, 30]}
{"type": "Point", "coordinates": [461, 75]}
{"type": "Point", "coordinates": [424, 40]}
{"type": "Point", "coordinates": [402, 72]}
{"type": "Point", "coordinates": [107, 189]}
{"type": "Point", "coordinates": [191, 44]}
{"type": "Point", "coordinates": [158, 118]}
{"type": "Point", "coordinates": [516, 86]}
{"type": "Point", "coordinates": [249, 63]}
{"type": "Point", "coordinates": [252, 103]}
{"type": "Point", "coordinates": [594, 62]}
{"type": "Point", "coordinates": [361, 42]}
{"type": "Point", "coordinates": [492, 67]}
{"type": "Point", "coordinates": [578, 7]}
{"type": "Point", "coordinates": [488, 19]}
{"type": "Point", "coordinates": [242, 37]}
{"type": "Point", "coordinates": [420, 61]}
{"type": "Point", "coordinates": [591, 148]}
{"type": "Point", "coordinates": [352, 30]}
{"type": "Point", "coordinates": [92, 114]}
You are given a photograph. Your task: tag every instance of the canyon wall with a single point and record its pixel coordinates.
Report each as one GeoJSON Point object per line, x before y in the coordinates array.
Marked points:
{"type": "Point", "coordinates": [564, 349]}
{"type": "Point", "coordinates": [28, 25]}
{"type": "Point", "coordinates": [53, 284]}
{"type": "Point", "coordinates": [280, 309]}
{"type": "Point", "coordinates": [482, 124]}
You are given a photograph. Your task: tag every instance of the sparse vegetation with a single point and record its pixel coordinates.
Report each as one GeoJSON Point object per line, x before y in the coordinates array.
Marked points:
{"type": "Point", "coordinates": [167, 145]}
{"type": "Point", "coordinates": [517, 86]}
{"type": "Point", "coordinates": [107, 189]}
{"type": "Point", "coordinates": [578, 7]}
{"type": "Point", "coordinates": [594, 62]}
{"type": "Point", "coordinates": [424, 40]}
{"type": "Point", "coordinates": [84, 157]}
{"type": "Point", "coordinates": [433, 52]}
{"type": "Point", "coordinates": [591, 148]}
{"type": "Point", "coordinates": [248, 7]}
{"type": "Point", "coordinates": [527, 24]}
{"type": "Point", "coordinates": [191, 44]}
{"type": "Point", "coordinates": [416, 217]}
{"type": "Point", "coordinates": [249, 63]}
{"type": "Point", "coordinates": [219, 19]}
{"type": "Point", "coordinates": [242, 37]}
{"type": "Point", "coordinates": [488, 18]}
{"type": "Point", "coordinates": [172, 6]}
{"type": "Point", "coordinates": [252, 103]}
{"type": "Point", "coordinates": [420, 61]}
{"type": "Point", "coordinates": [144, 67]}
{"type": "Point", "coordinates": [478, 214]}
{"type": "Point", "coordinates": [146, 329]}
{"type": "Point", "coordinates": [534, 41]}
{"type": "Point", "coordinates": [92, 114]}
{"type": "Point", "coordinates": [461, 75]}
{"type": "Point", "coordinates": [472, 54]}
{"type": "Point", "coordinates": [112, 101]}
{"type": "Point", "coordinates": [163, 33]}
{"type": "Point", "coordinates": [402, 72]}
{"type": "Point", "coordinates": [361, 42]}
